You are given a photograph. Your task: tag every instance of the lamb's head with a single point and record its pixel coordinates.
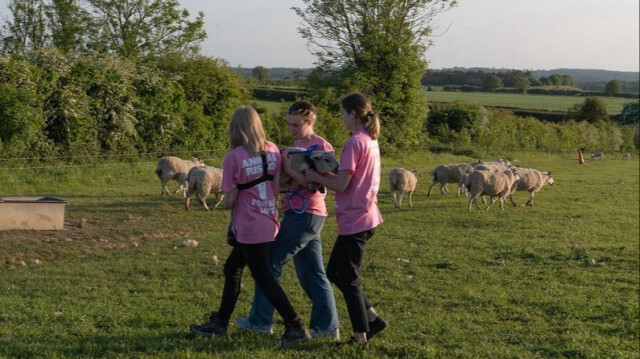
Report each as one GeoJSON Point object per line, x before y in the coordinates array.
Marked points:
{"type": "Point", "coordinates": [324, 161]}
{"type": "Point", "coordinates": [550, 178]}
{"type": "Point", "coordinates": [198, 161]}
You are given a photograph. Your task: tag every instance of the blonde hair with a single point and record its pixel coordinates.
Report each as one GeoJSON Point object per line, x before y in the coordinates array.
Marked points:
{"type": "Point", "coordinates": [245, 129]}
{"type": "Point", "coordinates": [359, 104]}
{"type": "Point", "coordinates": [305, 109]}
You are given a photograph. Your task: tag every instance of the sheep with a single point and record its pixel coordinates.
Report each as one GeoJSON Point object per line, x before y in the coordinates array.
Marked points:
{"type": "Point", "coordinates": [400, 181]}
{"type": "Point", "coordinates": [626, 156]}
{"type": "Point", "coordinates": [448, 173]}
{"type": "Point", "coordinates": [170, 168]}
{"type": "Point", "coordinates": [301, 160]}
{"type": "Point", "coordinates": [531, 181]}
{"type": "Point", "coordinates": [597, 156]}
{"type": "Point", "coordinates": [494, 184]}
{"type": "Point", "coordinates": [204, 180]}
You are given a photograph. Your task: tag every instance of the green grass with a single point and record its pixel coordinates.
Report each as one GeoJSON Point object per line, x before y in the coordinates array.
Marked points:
{"type": "Point", "coordinates": [524, 101]}
{"type": "Point", "coordinates": [556, 280]}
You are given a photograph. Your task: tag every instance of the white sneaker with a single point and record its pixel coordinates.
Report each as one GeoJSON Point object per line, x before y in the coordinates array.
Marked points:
{"type": "Point", "coordinates": [244, 323]}
{"type": "Point", "coordinates": [333, 334]}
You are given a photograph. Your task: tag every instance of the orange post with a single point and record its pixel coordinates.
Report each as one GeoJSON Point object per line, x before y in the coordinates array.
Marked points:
{"type": "Point", "coordinates": [580, 158]}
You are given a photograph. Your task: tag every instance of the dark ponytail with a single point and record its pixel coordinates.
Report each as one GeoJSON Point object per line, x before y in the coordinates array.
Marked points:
{"type": "Point", "coordinates": [359, 104]}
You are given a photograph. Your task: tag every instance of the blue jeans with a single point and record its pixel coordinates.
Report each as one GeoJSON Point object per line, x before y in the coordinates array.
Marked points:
{"type": "Point", "coordinates": [299, 238]}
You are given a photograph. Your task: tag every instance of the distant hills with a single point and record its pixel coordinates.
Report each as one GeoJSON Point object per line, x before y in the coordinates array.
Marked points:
{"type": "Point", "coordinates": [578, 75]}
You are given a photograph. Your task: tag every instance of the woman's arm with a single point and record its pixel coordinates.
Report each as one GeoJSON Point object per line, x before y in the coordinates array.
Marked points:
{"type": "Point", "coordinates": [229, 198]}
{"type": "Point", "coordinates": [335, 183]}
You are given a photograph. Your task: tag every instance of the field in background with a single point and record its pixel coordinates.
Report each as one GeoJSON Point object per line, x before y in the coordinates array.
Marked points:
{"type": "Point", "coordinates": [556, 280]}
{"type": "Point", "coordinates": [524, 101]}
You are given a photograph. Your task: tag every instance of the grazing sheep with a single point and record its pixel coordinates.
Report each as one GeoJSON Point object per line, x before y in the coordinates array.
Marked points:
{"type": "Point", "coordinates": [400, 181]}
{"type": "Point", "coordinates": [494, 184]}
{"type": "Point", "coordinates": [597, 156]}
{"type": "Point", "coordinates": [169, 168]}
{"type": "Point", "coordinates": [531, 181]}
{"type": "Point", "coordinates": [204, 180]}
{"type": "Point", "coordinates": [449, 173]}
{"type": "Point", "coordinates": [626, 156]}
{"type": "Point", "coordinates": [302, 159]}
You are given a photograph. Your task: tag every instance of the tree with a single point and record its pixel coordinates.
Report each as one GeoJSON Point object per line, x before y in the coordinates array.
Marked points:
{"type": "Point", "coordinates": [261, 73]}
{"type": "Point", "coordinates": [567, 80]}
{"type": "Point", "coordinates": [522, 84]}
{"type": "Point", "coordinates": [555, 80]}
{"type": "Point", "coordinates": [375, 47]}
{"type": "Point", "coordinates": [491, 83]}
{"type": "Point", "coordinates": [28, 28]}
{"type": "Point", "coordinates": [630, 113]}
{"type": "Point", "coordinates": [612, 87]}
{"type": "Point", "coordinates": [135, 28]}
{"type": "Point", "coordinates": [592, 110]}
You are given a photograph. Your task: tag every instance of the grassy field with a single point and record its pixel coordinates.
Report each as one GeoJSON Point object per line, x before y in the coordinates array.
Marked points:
{"type": "Point", "coordinates": [524, 101]}
{"type": "Point", "coordinates": [557, 280]}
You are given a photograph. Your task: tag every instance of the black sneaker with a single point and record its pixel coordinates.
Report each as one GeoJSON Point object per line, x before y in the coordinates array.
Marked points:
{"type": "Point", "coordinates": [210, 328]}
{"type": "Point", "coordinates": [295, 332]}
{"type": "Point", "coordinates": [376, 327]}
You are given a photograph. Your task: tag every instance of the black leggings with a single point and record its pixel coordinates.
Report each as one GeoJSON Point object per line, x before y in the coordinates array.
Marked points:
{"type": "Point", "coordinates": [343, 270]}
{"type": "Point", "coordinates": [256, 257]}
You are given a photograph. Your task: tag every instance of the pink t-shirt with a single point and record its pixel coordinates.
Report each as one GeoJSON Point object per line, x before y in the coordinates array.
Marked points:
{"type": "Point", "coordinates": [315, 201]}
{"type": "Point", "coordinates": [255, 214]}
{"type": "Point", "coordinates": [356, 206]}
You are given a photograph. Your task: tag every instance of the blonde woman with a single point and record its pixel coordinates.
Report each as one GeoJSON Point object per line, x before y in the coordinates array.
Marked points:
{"type": "Point", "coordinates": [299, 238]}
{"type": "Point", "coordinates": [250, 186]}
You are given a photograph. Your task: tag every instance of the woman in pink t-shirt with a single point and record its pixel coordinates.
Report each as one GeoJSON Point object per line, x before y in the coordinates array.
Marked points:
{"type": "Point", "coordinates": [299, 238]}
{"type": "Point", "coordinates": [250, 184]}
{"type": "Point", "coordinates": [357, 214]}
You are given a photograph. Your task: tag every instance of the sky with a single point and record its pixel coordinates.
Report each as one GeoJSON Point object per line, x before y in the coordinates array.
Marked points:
{"type": "Point", "coordinates": [510, 34]}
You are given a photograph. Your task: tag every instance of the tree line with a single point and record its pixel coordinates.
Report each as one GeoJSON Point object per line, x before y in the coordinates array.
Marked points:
{"type": "Point", "coordinates": [126, 76]}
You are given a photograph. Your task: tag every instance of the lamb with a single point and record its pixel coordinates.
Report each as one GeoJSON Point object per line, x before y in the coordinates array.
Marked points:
{"type": "Point", "coordinates": [494, 184]}
{"type": "Point", "coordinates": [448, 173]}
{"type": "Point", "coordinates": [204, 180]}
{"type": "Point", "coordinates": [400, 181]}
{"type": "Point", "coordinates": [531, 181]}
{"type": "Point", "coordinates": [597, 156]}
{"type": "Point", "coordinates": [626, 156]}
{"type": "Point", "coordinates": [302, 159]}
{"type": "Point", "coordinates": [170, 168]}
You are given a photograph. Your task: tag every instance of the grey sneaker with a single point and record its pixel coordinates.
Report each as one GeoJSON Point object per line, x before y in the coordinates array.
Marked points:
{"type": "Point", "coordinates": [210, 328]}
{"type": "Point", "coordinates": [332, 333]}
{"type": "Point", "coordinates": [244, 323]}
{"type": "Point", "coordinates": [295, 332]}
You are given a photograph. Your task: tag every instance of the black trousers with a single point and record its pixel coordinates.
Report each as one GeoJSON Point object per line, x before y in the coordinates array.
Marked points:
{"type": "Point", "coordinates": [256, 257]}
{"type": "Point", "coordinates": [343, 270]}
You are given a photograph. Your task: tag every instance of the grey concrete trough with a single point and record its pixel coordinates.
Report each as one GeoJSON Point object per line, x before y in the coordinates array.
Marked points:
{"type": "Point", "coordinates": [35, 212]}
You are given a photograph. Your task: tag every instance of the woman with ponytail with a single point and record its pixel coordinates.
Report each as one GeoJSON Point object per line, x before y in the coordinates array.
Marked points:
{"type": "Point", "coordinates": [356, 186]}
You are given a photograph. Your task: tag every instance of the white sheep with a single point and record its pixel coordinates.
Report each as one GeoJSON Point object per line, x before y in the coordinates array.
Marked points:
{"type": "Point", "coordinates": [170, 168]}
{"type": "Point", "coordinates": [204, 180]}
{"type": "Point", "coordinates": [449, 173]}
{"type": "Point", "coordinates": [494, 184]}
{"type": "Point", "coordinates": [626, 156]}
{"type": "Point", "coordinates": [301, 160]}
{"type": "Point", "coordinates": [531, 181]}
{"type": "Point", "coordinates": [400, 181]}
{"type": "Point", "coordinates": [597, 156]}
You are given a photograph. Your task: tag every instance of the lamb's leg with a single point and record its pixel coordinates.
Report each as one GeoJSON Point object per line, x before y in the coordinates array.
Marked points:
{"type": "Point", "coordinates": [395, 199]}
{"type": "Point", "coordinates": [443, 188]}
{"type": "Point", "coordinates": [474, 198]}
{"type": "Point", "coordinates": [512, 201]}
{"type": "Point", "coordinates": [530, 201]}
{"type": "Point", "coordinates": [219, 197]}
{"type": "Point", "coordinates": [502, 200]}
{"type": "Point", "coordinates": [400, 198]}
{"type": "Point", "coordinates": [493, 200]}
{"type": "Point", "coordinates": [410, 203]}
{"type": "Point", "coordinates": [187, 204]}
{"type": "Point", "coordinates": [432, 185]}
